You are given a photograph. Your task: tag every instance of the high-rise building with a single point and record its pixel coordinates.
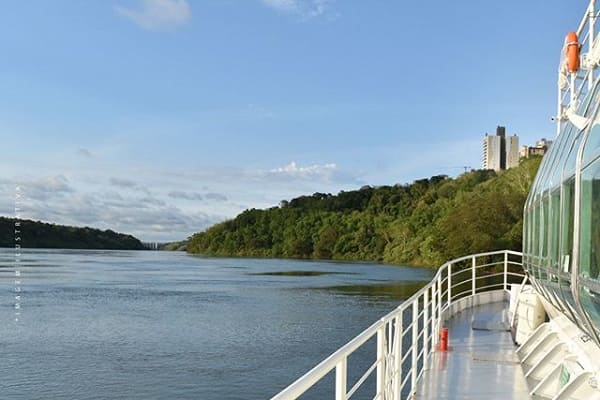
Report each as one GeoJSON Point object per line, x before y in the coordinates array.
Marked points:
{"type": "Point", "coordinates": [491, 152]}
{"type": "Point", "coordinates": [512, 151]}
{"type": "Point", "coordinates": [500, 152]}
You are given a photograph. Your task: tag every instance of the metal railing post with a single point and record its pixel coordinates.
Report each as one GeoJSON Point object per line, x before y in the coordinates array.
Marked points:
{"type": "Point", "coordinates": [434, 319]}
{"type": "Point", "coordinates": [449, 285]}
{"type": "Point", "coordinates": [505, 270]}
{"type": "Point", "coordinates": [415, 345]}
{"type": "Point", "coordinates": [439, 310]}
{"type": "Point", "coordinates": [381, 361]}
{"type": "Point", "coordinates": [341, 379]}
{"type": "Point", "coordinates": [591, 26]}
{"type": "Point", "coordinates": [397, 384]}
{"type": "Point", "coordinates": [473, 275]}
{"type": "Point", "coordinates": [425, 324]}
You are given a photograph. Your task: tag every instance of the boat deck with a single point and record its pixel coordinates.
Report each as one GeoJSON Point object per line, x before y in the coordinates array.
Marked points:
{"type": "Point", "coordinates": [481, 362]}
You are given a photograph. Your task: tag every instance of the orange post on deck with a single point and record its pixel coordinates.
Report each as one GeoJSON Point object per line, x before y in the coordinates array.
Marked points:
{"type": "Point", "coordinates": [444, 339]}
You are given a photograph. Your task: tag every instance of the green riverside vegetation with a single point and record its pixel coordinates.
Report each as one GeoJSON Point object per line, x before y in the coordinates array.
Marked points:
{"type": "Point", "coordinates": [35, 234]}
{"type": "Point", "coordinates": [424, 223]}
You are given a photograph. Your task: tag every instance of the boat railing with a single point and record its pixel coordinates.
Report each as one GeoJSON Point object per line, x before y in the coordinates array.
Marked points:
{"type": "Point", "coordinates": [573, 87]}
{"type": "Point", "coordinates": [406, 337]}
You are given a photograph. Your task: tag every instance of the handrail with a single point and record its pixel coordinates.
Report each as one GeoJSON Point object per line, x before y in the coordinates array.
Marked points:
{"type": "Point", "coordinates": [401, 345]}
{"type": "Point", "coordinates": [573, 87]}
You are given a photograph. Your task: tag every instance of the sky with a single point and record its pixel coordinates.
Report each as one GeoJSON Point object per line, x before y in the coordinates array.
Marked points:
{"type": "Point", "coordinates": [159, 118]}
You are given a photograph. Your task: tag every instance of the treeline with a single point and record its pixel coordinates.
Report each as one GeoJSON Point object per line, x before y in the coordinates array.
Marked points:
{"type": "Point", "coordinates": [423, 223]}
{"type": "Point", "coordinates": [35, 234]}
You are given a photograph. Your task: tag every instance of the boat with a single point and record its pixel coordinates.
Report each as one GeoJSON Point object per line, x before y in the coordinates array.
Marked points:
{"type": "Point", "coordinates": [503, 324]}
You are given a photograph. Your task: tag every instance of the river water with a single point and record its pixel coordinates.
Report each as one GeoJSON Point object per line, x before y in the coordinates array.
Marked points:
{"type": "Point", "coordinates": [167, 325]}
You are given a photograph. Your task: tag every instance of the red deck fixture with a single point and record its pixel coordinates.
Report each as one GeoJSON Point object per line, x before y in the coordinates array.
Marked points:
{"type": "Point", "coordinates": [444, 339]}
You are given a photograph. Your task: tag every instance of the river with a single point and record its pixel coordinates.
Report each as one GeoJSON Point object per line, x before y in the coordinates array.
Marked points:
{"type": "Point", "coordinates": [167, 325]}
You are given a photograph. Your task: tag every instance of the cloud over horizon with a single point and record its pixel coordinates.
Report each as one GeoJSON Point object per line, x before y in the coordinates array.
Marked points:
{"type": "Point", "coordinates": [157, 14]}
{"type": "Point", "coordinates": [293, 169]}
{"type": "Point", "coordinates": [160, 204]}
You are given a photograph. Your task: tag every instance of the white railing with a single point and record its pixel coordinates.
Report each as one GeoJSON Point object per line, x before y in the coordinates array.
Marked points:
{"type": "Point", "coordinates": [574, 87]}
{"type": "Point", "coordinates": [406, 337]}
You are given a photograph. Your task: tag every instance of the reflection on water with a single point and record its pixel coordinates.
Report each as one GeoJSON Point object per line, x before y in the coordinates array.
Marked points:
{"type": "Point", "coordinates": [158, 325]}
{"type": "Point", "coordinates": [300, 273]}
{"type": "Point", "coordinates": [396, 291]}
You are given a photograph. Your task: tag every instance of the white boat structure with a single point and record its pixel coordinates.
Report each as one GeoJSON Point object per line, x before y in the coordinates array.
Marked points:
{"type": "Point", "coordinates": [520, 325]}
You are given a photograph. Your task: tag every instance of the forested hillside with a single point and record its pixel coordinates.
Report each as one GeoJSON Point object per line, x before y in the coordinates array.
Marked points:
{"type": "Point", "coordinates": [34, 234]}
{"type": "Point", "coordinates": [423, 223]}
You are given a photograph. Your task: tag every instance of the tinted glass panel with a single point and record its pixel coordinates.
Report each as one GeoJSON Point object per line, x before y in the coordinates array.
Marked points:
{"type": "Point", "coordinates": [566, 237]}
{"type": "Point", "coordinates": [589, 247]}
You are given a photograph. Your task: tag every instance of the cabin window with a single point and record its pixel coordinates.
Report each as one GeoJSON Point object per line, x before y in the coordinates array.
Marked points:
{"type": "Point", "coordinates": [535, 245]}
{"type": "Point", "coordinates": [525, 234]}
{"type": "Point", "coordinates": [566, 236]}
{"type": "Point", "coordinates": [554, 228]}
{"type": "Point", "coordinates": [561, 147]}
{"type": "Point", "coordinates": [592, 145]}
{"type": "Point", "coordinates": [571, 159]}
{"type": "Point", "coordinates": [544, 217]}
{"type": "Point", "coordinates": [589, 248]}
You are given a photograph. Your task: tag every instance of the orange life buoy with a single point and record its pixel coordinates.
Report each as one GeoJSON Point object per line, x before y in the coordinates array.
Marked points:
{"type": "Point", "coordinates": [572, 51]}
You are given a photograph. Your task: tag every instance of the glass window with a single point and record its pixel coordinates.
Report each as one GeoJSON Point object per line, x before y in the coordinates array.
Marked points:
{"type": "Point", "coordinates": [566, 223]}
{"type": "Point", "coordinates": [543, 234]}
{"type": "Point", "coordinates": [570, 162]}
{"type": "Point", "coordinates": [561, 146]}
{"type": "Point", "coordinates": [554, 229]}
{"type": "Point", "coordinates": [589, 246]}
{"type": "Point", "coordinates": [592, 145]}
{"type": "Point", "coordinates": [536, 246]}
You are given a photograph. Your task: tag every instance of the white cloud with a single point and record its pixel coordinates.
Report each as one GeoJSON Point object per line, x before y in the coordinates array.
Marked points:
{"type": "Point", "coordinates": [161, 204]}
{"type": "Point", "coordinates": [195, 196]}
{"type": "Point", "coordinates": [304, 8]}
{"type": "Point", "coordinates": [178, 194]}
{"type": "Point", "coordinates": [216, 196]}
{"type": "Point", "coordinates": [282, 5]}
{"type": "Point", "coordinates": [128, 184]}
{"type": "Point", "coordinates": [121, 182]}
{"type": "Point", "coordinates": [46, 187]}
{"type": "Point", "coordinates": [293, 169]}
{"type": "Point", "coordinates": [158, 14]}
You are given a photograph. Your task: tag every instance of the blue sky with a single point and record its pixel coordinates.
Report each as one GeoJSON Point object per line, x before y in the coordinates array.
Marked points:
{"type": "Point", "coordinates": [162, 117]}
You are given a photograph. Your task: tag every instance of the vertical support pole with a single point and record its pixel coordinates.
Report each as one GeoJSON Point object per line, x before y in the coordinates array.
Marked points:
{"type": "Point", "coordinates": [398, 332]}
{"type": "Point", "coordinates": [505, 270]}
{"type": "Point", "coordinates": [573, 77]}
{"type": "Point", "coordinates": [415, 345]}
{"type": "Point", "coordinates": [591, 37]}
{"type": "Point", "coordinates": [341, 379]}
{"type": "Point", "coordinates": [559, 110]}
{"type": "Point", "coordinates": [381, 361]}
{"type": "Point", "coordinates": [473, 275]}
{"type": "Point", "coordinates": [434, 318]}
{"type": "Point", "coordinates": [425, 324]}
{"type": "Point", "coordinates": [439, 310]}
{"type": "Point", "coordinates": [449, 285]}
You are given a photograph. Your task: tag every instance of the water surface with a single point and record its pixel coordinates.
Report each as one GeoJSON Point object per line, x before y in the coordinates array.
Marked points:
{"type": "Point", "coordinates": [162, 325]}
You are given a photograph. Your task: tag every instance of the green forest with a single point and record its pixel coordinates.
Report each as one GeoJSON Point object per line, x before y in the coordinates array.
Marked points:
{"type": "Point", "coordinates": [424, 223]}
{"type": "Point", "coordinates": [35, 234]}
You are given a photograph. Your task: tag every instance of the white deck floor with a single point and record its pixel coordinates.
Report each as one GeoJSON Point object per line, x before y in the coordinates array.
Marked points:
{"type": "Point", "coordinates": [481, 362]}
